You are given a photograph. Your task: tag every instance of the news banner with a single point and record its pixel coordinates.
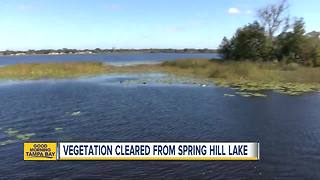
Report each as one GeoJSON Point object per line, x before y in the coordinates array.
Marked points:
{"type": "Point", "coordinates": [141, 151]}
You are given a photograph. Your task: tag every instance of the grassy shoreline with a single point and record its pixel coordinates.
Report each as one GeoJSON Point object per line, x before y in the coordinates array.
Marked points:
{"type": "Point", "coordinates": [290, 79]}
{"type": "Point", "coordinates": [35, 71]}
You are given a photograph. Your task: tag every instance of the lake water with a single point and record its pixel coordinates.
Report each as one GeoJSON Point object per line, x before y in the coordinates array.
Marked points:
{"type": "Point", "coordinates": [288, 128]}
{"type": "Point", "coordinates": [110, 58]}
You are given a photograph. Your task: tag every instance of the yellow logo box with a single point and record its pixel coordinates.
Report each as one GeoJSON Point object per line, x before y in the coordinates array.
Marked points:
{"type": "Point", "coordinates": [40, 151]}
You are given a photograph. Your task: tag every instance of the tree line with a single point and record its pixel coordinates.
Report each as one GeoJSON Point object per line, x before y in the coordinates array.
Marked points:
{"type": "Point", "coordinates": [98, 50]}
{"type": "Point", "coordinates": [273, 37]}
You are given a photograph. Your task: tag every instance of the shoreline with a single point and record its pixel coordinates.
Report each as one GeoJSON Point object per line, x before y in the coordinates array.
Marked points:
{"type": "Point", "coordinates": [1, 55]}
{"type": "Point", "coordinates": [243, 77]}
{"type": "Point", "coordinates": [24, 53]}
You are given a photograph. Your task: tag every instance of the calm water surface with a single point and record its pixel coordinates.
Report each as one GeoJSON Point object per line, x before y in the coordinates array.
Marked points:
{"type": "Point", "coordinates": [110, 58]}
{"type": "Point", "coordinates": [288, 128]}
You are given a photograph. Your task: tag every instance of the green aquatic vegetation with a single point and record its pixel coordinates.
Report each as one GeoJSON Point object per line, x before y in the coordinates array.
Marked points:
{"type": "Point", "coordinates": [11, 132]}
{"type": "Point", "coordinates": [229, 95]}
{"type": "Point", "coordinates": [258, 95]}
{"type": "Point", "coordinates": [168, 79]}
{"type": "Point", "coordinates": [7, 142]}
{"type": "Point", "coordinates": [241, 92]}
{"type": "Point", "coordinates": [292, 93]}
{"type": "Point", "coordinates": [244, 94]}
{"type": "Point", "coordinates": [58, 129]}
{"type": "Point", "coordinates": [295, 89]}
{"type": "Point", "coordinates": [284, 88]}
{"type": "Point", "coordinates": [250, 76]}
{"type": "Point", "coordinates": [25, 136]}
{"type": "Point", "coordinates": [250, 94]}
{"type": "Point", "coordinates": [15, 133]}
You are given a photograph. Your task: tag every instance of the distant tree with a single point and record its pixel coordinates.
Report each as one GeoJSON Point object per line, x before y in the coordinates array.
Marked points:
{"type": "Point", "coordinates": [284, 46]}
{"type": "Point", "coordinates": [225, 48]}
{"type": "Point", "coordinates": [314, 34]}
{"type": "Point", "coordinates": [299, 38]}
{"type": "Point", "coordinates": [290, 44]}
{"type": "Point", "coordinates": [249, 42]}
{"type": "Point", "coordinates": [311, 48]}
{"type": "Point", "coordinates": [97, 50]}
{"type": "Point", "coordinates": [273, 17]}
{"type": "Point", "coordinates": [66, 50]}
{"type": "Point", "coordinates": [311, 51]}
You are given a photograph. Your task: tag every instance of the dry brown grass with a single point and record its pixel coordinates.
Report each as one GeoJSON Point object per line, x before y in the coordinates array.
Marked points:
{"type": "Point", "coordinates": [252, 71]}
{"type": "Point", "coordinates": [51, 70]}
{"type": "Point", "coordinates": [203, 68]}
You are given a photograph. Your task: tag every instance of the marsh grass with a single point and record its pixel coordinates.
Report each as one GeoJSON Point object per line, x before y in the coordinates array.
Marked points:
{"type": "Point", "coordinates": [252, 71]}
{"type": "Point", "coordinates": [292, 79]}
{"type": "Point", "coordinates": [65, 70]}
{"type": "Point", "coordinates": [51, 70]}
{"type": "Point", "coordinates": [212, 69]}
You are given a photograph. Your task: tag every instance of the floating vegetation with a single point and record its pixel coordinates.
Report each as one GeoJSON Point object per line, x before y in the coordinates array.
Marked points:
{"type": "Point", "coordinates": [58, 129]}
{"type": "Point", "coordinates": [250, 76]}
{"type": "Point", "coordinates": [15, 136]}
{"type": "Point", "coordinates": [242, 93]}
{"type": "Point", "coordinates": [76, 113]}
{"type": "Point", "coordinates": [249, 94]}
{"type": "Point", "coordinates": [245, 95]}
{"type": "Point", "coordinates": [229, 95]}
{"type": "Point", "coordinates": [168, 80]}
{"type": "Point", "coordinates": [292, 89]}
{"type": "Point", "coordinates": [25, 136]}
{"type": "Point", "coordinates": [11, 132]}
{"type": "Point", "coordinates": [7, 142]}
{"type": "Point", "coordinates": [258, 95]}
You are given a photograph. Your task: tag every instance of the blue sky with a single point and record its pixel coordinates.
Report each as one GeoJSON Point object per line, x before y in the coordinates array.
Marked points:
{"type": "Point", "coordinates": [37, 24]}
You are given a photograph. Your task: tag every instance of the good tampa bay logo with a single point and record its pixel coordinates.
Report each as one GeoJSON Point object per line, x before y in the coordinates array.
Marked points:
{"type": "Point", "coordinates": [40, 151]}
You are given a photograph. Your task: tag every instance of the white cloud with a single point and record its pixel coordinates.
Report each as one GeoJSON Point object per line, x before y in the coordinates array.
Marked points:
{"type": "Point", "coordinates": [233, 10]}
